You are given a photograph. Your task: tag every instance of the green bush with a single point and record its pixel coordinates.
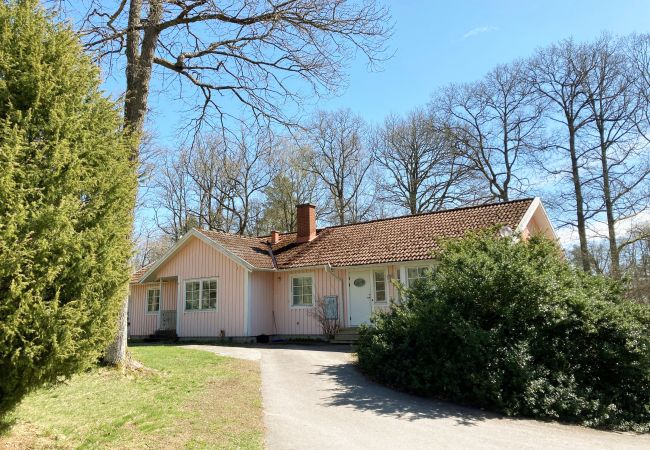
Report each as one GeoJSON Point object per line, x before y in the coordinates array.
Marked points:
{"type": "Point", "coordinates": [66, 196]}
{"type": "Point", "coordinates": [512, 327]}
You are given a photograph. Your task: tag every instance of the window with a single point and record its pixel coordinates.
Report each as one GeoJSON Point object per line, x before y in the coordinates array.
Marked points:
{"type": "Point", "coordinates": [192, 291]}
{"type": "Point", "coordinates": [201, 295]}
{"type": "Point", "coordinates": [153, 300]}
{"type": "Point", "coordinates": [209, 294]}
{"type": "Point", "coordinates": [415, 274]}
{"type": "Point", "coordinates": [302, 291]}
{"type": "Point", "coordinates": [380, 285]}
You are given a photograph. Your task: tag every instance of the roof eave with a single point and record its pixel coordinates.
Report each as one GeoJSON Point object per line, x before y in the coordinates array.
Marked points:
{"type": "Point", "coordinates": [530, 212]}
{"type": "Point", "coordinates": [181, 242]}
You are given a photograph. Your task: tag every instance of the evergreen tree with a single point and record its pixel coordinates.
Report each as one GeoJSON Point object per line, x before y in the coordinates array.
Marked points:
{"type": "Point", "coordinates": [66, 197]}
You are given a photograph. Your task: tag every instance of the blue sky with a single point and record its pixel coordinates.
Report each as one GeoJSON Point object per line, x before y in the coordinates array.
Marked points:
{"type": "Point", "coordinates": [453, 41]}
{"type": "Point", "coordinates": [435, 43]}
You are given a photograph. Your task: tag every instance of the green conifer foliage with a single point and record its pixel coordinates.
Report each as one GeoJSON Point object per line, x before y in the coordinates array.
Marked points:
{"type": "Point", "coordinates": [66, 200]}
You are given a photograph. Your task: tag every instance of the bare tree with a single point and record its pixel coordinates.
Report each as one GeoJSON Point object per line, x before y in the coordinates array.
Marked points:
{"type": "Point", "coordinates": [247, 51]}
{"type": "Point", "coordinates": [558, 74]}
{"type": "Point", "coordinates": [341, 161]}
{"type": "Point", "coordinates": [224, 180]}
{"type": "Point", "coordinates": [638, 51]}
{"type": "Point", "coordinates": [622, 163]}
{"type": "Point", "coordinates": [291, 185]}
{"type": "Point", "coordinates": [363, 201]}
{"type": "Point", "coordinates": [251, 53]}
{"type": "Point", "coordinates": [635, 262]}
{"type": "Point", "coordinates": [211, 173]}
{"type": "Point", "coordinates": [329, 325]}
{"type": "Point", "coordinates": [174, 197]}
{"type": "Point", "coordinates": [494, 123]}
{"type": "Point", "coordinates": [150, 245]}
{"type": "Point", "coordinates": [251, 174]}
{"type": "Point", "coordinates": [599, 257]}
{"type": "Point", "coordinates": [423, 171]}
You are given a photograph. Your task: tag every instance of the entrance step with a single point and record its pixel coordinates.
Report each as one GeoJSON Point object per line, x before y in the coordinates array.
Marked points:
{"type": "Point", "coordinates": [162, 336]}
{"type": "Point", "coordinates": [346, 336]}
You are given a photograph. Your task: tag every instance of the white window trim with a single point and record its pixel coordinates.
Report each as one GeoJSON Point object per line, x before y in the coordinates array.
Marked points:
{"type": "Point", "coordinates": [313, 290]}
{"type": "Point", "coordinates": [146, 301]}
{"type": "Point", "coordinates": [374, 286]}
{"type": "Point", "coordinates": [200, 280]}
{"type": "Point", "coordinates": [428, 265]}
{"type": "Point", "coordinates": [402, 275]}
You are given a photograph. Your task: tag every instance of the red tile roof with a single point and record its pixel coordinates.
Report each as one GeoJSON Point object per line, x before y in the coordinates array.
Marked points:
{"type": "Point", "coordinates": [406, 238]}
{"type": "Point", "coordinates": [253, 250]}
{"type": "Point", "coordinates": [135, 277]}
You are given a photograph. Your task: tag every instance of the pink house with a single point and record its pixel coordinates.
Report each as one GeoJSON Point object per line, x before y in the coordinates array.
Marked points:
{"type": "Point", "coordinates": [212, 284]}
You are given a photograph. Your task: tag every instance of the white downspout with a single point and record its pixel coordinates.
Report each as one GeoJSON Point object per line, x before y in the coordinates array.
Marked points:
{"type": "Point", "coordinates": [179, 304]}
{"type": "Point", "coordinates": [247, 303]}
{"type": "Point", "coordinates": [160, 302]}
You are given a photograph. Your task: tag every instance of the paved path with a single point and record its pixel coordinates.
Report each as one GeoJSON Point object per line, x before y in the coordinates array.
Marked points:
{"type": "Point", "coordinates": [314, 398]}
{"type": "Point", "coordinates": [251, 354]}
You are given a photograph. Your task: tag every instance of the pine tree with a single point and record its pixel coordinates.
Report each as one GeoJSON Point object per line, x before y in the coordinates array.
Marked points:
{"type": "Point", "coordinates": [66, 200]}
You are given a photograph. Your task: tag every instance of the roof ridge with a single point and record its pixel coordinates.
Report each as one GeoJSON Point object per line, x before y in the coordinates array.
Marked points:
{"type": "Point", "coordinates": [428, 213]}
{"type": "Point", "coordinates": [284, 233]}
{"type": "Point", "coordinates": [404, 216]}
{"type": "Point", "coordinates": [226, 233]}
{"type": "Point", "coordinates": [344, 245]}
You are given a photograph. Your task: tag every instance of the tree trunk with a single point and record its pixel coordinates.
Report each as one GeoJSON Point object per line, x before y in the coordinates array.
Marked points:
{"type": "Point", "coordinates": [341, 208]}
{"type": "Point", "coordinates": [413, 202]}
{"type": "Point", "coordinates": [116, 352]}
{"type": "Point", "coordinates": [577, 186]}
{"type": "Point", "coordinates": [609, 210]}
{"type": "Point", "coordinates": [140, 54]}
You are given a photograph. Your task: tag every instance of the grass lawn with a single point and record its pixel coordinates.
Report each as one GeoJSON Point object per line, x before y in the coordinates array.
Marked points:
{"type": "Point", "coordinates": [191, 399]}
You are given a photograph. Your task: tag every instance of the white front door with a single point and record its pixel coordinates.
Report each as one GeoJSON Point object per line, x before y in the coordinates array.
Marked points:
{"type": "Point", "coordinates": [360, 297]}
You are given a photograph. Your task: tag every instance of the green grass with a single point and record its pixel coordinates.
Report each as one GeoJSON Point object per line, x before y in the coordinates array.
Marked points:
{"type": "Point", "coordinates": [189, 399]}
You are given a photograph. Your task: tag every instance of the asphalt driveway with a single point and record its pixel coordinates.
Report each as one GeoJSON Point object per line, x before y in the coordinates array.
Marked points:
{"type": "Point", "coordinates": [314, 398]}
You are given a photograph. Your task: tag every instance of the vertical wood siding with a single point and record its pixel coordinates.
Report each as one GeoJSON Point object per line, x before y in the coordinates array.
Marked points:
{"type": "Point", "coordinates": [199, 260]}
{"type": "Point", "coordinates": [141, 323]}
{"type": "Point", "coordinates": [537, 225]}
{"type": "Point", "coordinates": [169, 294]}
{"type": "Point", "coordinates": [300, 321]}
{"type": "Point", "coordinates": [261, 285]}
{"type": "Point", "coordinates": [270, 297]}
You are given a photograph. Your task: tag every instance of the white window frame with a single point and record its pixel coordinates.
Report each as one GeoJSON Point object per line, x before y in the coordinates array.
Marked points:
{"type": "Point", "coordinates": [402, 269]}
{"type": "Point", "coordinates": [313, 291]}
{"type": "Point", "coordinates": [200, 281]}
{"type": "Point", "coordinates": [146, 301]}
{"type": "Point", "coordinates": [384, 270]}
{"type": "Point", "coordinates": [408, 279]}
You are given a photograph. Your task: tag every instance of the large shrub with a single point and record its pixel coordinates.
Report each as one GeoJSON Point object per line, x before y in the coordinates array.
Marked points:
{"type": "Point", "coordinates": [512, 327]}
{"type": "Point", "coordinates": [66, 192]}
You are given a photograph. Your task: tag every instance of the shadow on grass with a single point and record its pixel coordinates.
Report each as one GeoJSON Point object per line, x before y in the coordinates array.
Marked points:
{"type": "Point", "coordinates": [354, 390]}
{"type": "Point", "coordinates": [6, 424]}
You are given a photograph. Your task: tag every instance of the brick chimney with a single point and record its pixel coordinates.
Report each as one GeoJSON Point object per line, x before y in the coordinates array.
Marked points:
{"type": "Point", "coordinates": [275, 237]}
{"type": "Point", "coordinates": [306, 222]}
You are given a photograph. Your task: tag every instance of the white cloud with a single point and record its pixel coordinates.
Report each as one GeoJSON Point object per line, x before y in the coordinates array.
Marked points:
{"type": "Point", "coordinates": [568, 236]}
{"type": "Point", "coordinates": [479, 30]}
